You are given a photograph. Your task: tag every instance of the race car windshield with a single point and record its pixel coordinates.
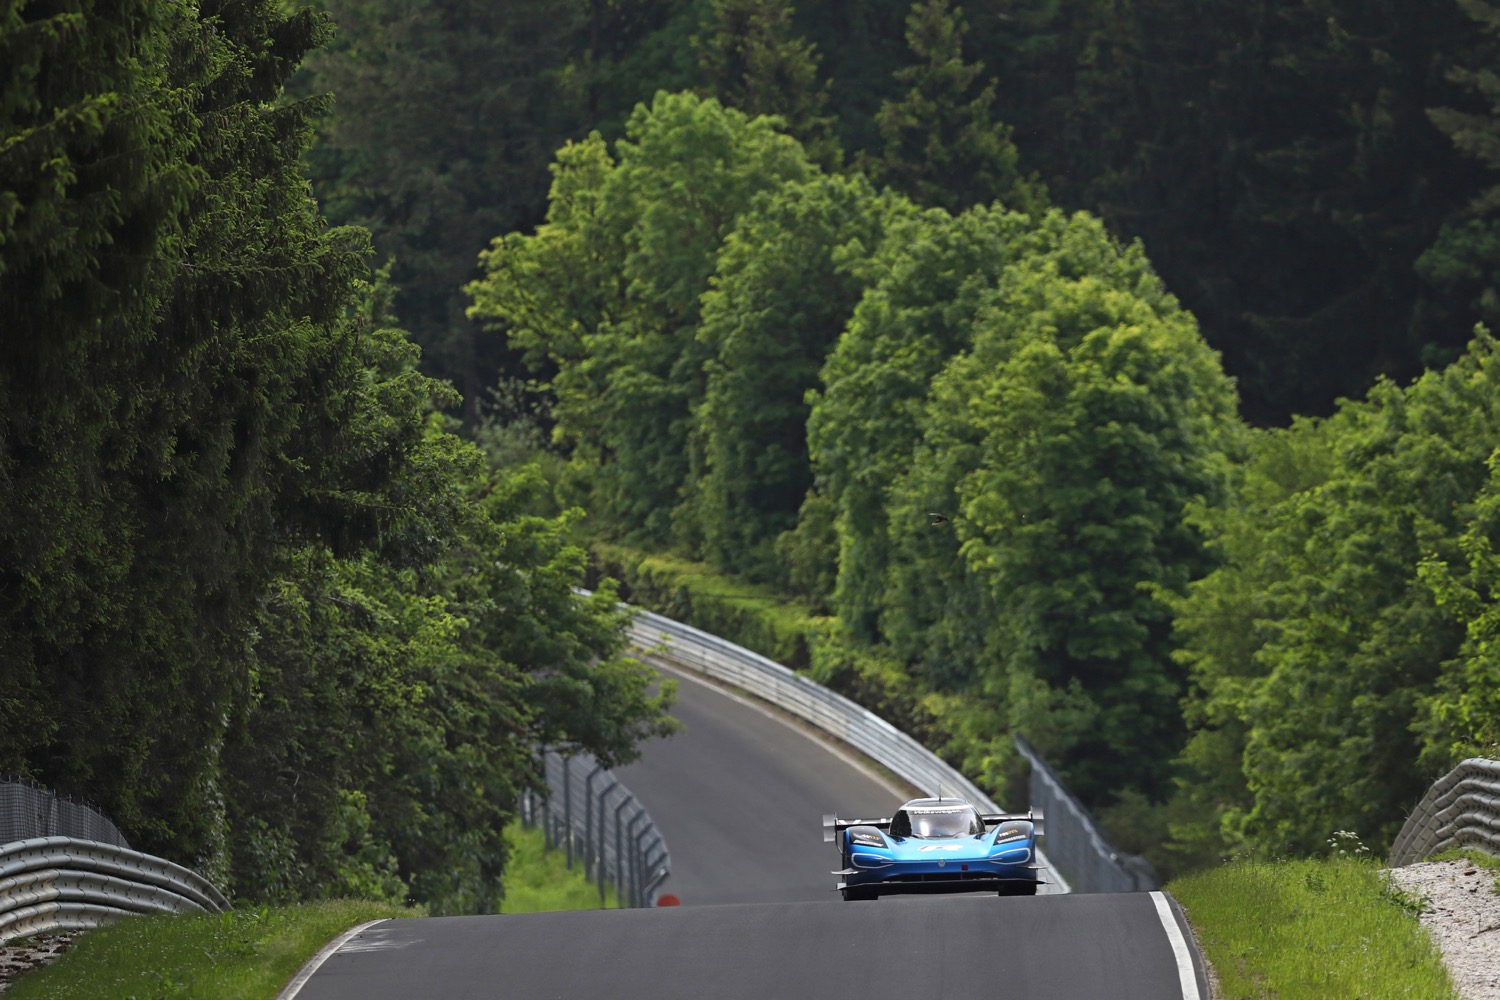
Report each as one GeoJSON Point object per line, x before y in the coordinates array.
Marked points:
{"type": "Point", "coordinates": [948, 823]}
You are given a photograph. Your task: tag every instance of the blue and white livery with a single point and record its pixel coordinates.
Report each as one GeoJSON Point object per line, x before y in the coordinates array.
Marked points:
{"type": "Point", "coordinates": [936, 845]}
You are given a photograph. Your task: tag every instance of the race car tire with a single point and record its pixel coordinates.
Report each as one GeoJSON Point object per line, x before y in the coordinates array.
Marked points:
{"type": "Point", "coordinates": [854, 893]}
{"type": "Point", "coordinates": [1023, 889]}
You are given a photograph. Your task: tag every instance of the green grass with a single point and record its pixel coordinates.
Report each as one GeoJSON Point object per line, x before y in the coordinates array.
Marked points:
{"type": "Point", "coordinates": [538, 881]}
{"type": "Point", "coordinates": [1311, 930]}
{"type": "Point", "coordinates": [251, 953]}
{"type": "Point", "coordinates": [247, 954]}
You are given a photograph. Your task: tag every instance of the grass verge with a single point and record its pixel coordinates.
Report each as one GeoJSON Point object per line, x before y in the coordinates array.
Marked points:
{"type": "Point", "coordinates": [247, 954]}
{"type": "Point", "coordinates": [1311, 929]}
{"type": "Point", "coordinates": [252, 953]}
{"type": "Point", "coordinates": [539, 881]}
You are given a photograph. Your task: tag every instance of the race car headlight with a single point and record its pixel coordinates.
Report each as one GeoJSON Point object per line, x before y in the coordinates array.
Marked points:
{"type": "Point", "coordinates": [866, 838]}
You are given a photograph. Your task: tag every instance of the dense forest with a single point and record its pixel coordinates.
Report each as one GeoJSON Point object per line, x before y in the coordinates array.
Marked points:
{"type": "Point", "coordinates": [333, 335]}
{"type": "Point", "coordinates": [261, 604]}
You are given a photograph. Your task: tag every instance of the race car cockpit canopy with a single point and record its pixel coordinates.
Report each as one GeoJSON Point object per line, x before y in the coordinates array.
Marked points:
{"type": "Point", "coordinates": [927, 819]}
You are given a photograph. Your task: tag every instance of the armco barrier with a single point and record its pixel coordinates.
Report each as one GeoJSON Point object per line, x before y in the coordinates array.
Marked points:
{"type": "Point", "coordinates": [1074, 841]}
{"type": "Point", "coordinates": [595, 819]}
{"type": "Point", "coordinates": [1461, 809]}
{"type": "Point", "coordinates": [60, 883]}
{"type": "Point", "coordinates": [836, 715]}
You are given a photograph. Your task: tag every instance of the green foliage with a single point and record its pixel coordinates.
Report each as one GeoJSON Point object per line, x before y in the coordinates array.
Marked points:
{"type": "Point", "coordinates": [444, 118]}
{"type": "Point", "coordinates": [756, 617]}
{"type": "Point", "coordinates": [809, 552]}
{"type": "Point", "coordinates": [263, 606]}
{"type": "Point", "coordinates": [941, 145]}
{"type": "Point", "coordinates": [629, 50]}
{"type": "Point", "coordinates": [1461, 717]}
{"type": "Point", "coordinates": [918, 311]}
{"type": "Point", "coordinates": [638, 236]}
{"type": "Point", "coordinates": [162, 412]}
{"type": "Point", "coordinates": [515, 579]}
{"type": "Point", "coordinates": [1064, 444]}
{"type": "Point", "coordinates": [1315, 645]}
{"type": "Point", "coordinates": [786, 279]}
{"type": "Point", "coordinates": [752, 64]}
{"type": "Point", "coordinates": [761, 619]}
{"type": "Point", "coordinates": [394, 713]}
{"type": "Point", "coordinates": [1278, 161]}
{"type": "Point", "coordinates": [1464, 261]}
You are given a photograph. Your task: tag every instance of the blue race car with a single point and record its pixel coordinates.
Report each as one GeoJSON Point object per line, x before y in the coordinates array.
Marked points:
{"type": "Point", "coordinates": [936, 845]}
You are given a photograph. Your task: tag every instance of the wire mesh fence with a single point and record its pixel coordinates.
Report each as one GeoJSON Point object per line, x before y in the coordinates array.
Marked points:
{"type": "Point", "coordinates": [596, 821]}
{"type": "Point", "coordinates": [1075, 844]}
{"type": "Point", "coordinates": [28, 811]}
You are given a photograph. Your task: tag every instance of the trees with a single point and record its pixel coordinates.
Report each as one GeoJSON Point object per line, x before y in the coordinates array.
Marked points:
{"type": "Point", "coordinates": [1278, 162]}
{"type": "Point", "coordinates": [162, 424]}
{"type": "Point", "coordinates": [917, 313]}
{"type": "Point", "coordinates": [444, 118]}
{"type": "Point", "coordinates": [1460, 717]}
{"type": "Point", "coordinates": [1464, 259]}
{"type": "Point", "coordinates": [786, 279]}
{"type": "Point", "coordinates": [1319, 689]}
{"type": "Point", "coordinates": [752, 64]}
{"type": "Point", "coordinates": [940, 144]}
{"type": "Point", "coordinates": [649, 225]}
{"type": "Point", "coordinates": [262, 605]}
{"type": "Point", "coordinates": [1065, 443]}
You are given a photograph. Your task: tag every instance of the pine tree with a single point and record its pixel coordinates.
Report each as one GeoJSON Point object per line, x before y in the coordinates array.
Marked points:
{"type": "Point", "coordinates": [942, 146]}
{"type": "Point", "coordinates": [1465, 258]}
{"type": "Point", "coordinates": [753, 64]}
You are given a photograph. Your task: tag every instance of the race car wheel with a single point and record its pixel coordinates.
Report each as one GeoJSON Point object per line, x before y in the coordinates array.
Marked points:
{"type": "Point", "coordinates": [1023, 889]}
{"type": "Point", "coordinates": [852, 893]}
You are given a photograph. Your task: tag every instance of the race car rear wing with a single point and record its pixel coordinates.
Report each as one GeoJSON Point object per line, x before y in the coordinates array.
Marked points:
{"type": "Point", "coordinates": [832, 824]}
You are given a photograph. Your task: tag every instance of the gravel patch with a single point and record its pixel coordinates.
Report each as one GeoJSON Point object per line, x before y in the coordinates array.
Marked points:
{"type": "Point", "coordinates": [31, 953]}
{"type": "Point", "coordinates": [1463, 916]}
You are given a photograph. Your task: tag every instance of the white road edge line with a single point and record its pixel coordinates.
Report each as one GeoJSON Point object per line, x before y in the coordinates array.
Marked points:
{"type": "Point", "coordinates": [1185, 974]}
{"type": "Point", "coordinates": [685, 673]}
{"type": "Point", "coordinates": [316, 962]}
{"type": "Point", "coordinates": [853, 760]}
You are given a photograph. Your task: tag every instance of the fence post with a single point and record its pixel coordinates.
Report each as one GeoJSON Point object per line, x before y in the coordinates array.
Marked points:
{"type": "Point", "coordinates": [588, 821]}
{"type": "Point", "coordinates": [643, 868]}
{"type": "Point", "coordinates": [601, 875]}
{"type": "Point", "coordinates": [567, 777]}
{"type": "Point", "coordinates": [620, 854]}
{"type": "Point", "coordinates": [635, 859]}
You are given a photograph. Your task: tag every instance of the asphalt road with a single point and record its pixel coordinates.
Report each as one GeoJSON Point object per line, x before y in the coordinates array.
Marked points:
{"type": "Point", "coordinates": [740, 795]}
{"type": "Point", "coordinates": [1067, 947]}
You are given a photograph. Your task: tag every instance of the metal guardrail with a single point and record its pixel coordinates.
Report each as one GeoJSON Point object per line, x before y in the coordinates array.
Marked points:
{"type": "Point", "coordinates": [590, 815]}
{"type": "Point", "coordinates": [836, 715]}
{"type": "Point", "coordinates": [62, 883]}
{"type": "Point", "coordinates": [27, 811]}
{"type": "Point", "coordinates": [1074, 841]}
{"type": "Point", "coordinates": [1461, 809]}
